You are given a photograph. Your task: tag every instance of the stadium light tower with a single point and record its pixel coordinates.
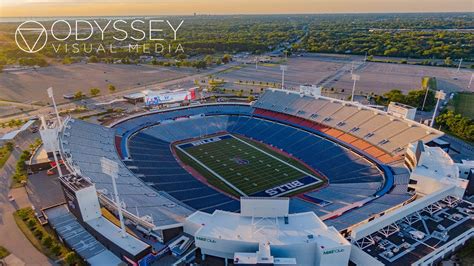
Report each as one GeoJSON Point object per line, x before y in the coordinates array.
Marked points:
{"type": "Point", "coordinates": [283, 68]}
{"type": "Point", "coordinates": [51, 95]}
{"type": "Point", "coordinates": [111, 169]}
{"type": "Point", "coordinates": [440, 95]}
{"type": "Point", "coordinates": [470, 81]}
{"type": "Point", "coordinates": [355, 78]}
{"type": "Point", "coordinates": [424, 100]}
{"type": "Point", "coordinates": [49, 136]}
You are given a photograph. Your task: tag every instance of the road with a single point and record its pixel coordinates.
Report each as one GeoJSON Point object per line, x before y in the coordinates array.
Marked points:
{"type": "Point", "coordinates": [281, 48]}
{"type": "Point", "coordinates": [10, 235]}
{"type": "Point", "coordinates": [17, 104]}
{"type": "Point", "coordinates": [110, 97]}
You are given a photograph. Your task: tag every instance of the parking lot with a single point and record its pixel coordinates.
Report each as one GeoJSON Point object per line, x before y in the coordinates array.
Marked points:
{"type": "Point", "coordinates": [335, 72]}
{"type": "Point", "coordinates": [30, 85]}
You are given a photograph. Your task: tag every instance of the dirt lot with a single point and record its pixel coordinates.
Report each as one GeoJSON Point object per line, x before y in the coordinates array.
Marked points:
{"type": "Point", "coordinates": [30, 85]}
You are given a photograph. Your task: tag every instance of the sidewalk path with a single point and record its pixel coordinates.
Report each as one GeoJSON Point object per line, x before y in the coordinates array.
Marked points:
{"type": "Point", "coordinates": [11, 236]}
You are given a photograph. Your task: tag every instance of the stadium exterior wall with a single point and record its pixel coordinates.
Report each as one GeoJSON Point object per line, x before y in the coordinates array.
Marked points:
{"type": "Point", "coordinates": [223, 234]}
{"type": "Point", "coordinates": [359, 257]}
{"type": "Point", "coordinates": [305, 253]}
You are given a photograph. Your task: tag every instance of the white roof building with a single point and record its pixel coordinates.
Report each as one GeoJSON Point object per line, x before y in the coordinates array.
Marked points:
{"type": "Point", "coordinates": [433, 169]}
{"type": "Point", "coordinates": [427, 229]}
{"type": "Point", "coordinates": [301, 238]}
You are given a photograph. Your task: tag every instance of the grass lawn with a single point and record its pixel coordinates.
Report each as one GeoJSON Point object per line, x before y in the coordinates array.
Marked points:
{"type": "Point", "coordinates": [20, 176]}
{"type": "Point", "coordinates": [466, 254]}
{"type": "Point", "coordinates": [269, 64]}
{"type": "Point", "coordinates": [464, 104]}
{"type": "Point", "coordinates": [3, 252]}
{"type": "Point", "coordinates": [245, 167]}
{"type": "Point", "coordinates": [37, 234]}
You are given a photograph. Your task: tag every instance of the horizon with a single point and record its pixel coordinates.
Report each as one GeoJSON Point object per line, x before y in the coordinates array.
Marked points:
{"type": "Point", "coordinates": [111, 8]}
{"type": "Point", "coordinates": [239, 14]}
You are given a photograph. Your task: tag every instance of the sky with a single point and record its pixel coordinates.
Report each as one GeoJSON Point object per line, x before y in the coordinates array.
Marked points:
{"type": "Point", "coordinates": [50, 8]}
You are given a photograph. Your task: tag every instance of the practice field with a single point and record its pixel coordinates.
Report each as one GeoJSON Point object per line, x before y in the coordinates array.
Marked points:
{"type": "Point", "coordinates": [248, 168]}
{"type": "Point", "coordinates": [464, 104]}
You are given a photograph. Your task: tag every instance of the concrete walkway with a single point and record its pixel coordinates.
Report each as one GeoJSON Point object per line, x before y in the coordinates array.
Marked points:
{"type": "Point", "coordinates": [11, 236]}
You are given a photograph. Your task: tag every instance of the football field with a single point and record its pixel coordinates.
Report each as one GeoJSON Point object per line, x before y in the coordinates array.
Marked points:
{"type": "Point", "coordinates": [248, 168]}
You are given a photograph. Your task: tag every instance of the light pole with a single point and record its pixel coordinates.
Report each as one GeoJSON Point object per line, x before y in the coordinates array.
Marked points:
{"type": "Point", "coordinates": [111, 169]}
{"type": "Point", "coordinates": [256, 63]}
{"type": "Point", "coordinates": [424, 100]}
{"type": "Point", "coordinates": [50, 139]}
{"type": "Point", "coordinates": [440, 95]}
{"type": "Point", "coordinates": [283, 68]}
{"type": "Point", "coordinates": [355, 78]}
{"type": "Point", "coordinates": [459, 66]}
{"type": "Point", "coordinates": [50, 95]}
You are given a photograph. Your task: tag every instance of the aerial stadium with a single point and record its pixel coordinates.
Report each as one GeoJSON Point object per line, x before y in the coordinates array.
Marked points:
{"type": "Point", "coordinates": [289, 179]}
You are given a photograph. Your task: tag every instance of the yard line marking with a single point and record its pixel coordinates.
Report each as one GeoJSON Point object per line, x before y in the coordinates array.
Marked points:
{"type": "Point", "coordinates": [238, 180]}
{"type": "Point", "coordinates": [212, 171]}
{"type": "Point", "coordinates": [278, 159]}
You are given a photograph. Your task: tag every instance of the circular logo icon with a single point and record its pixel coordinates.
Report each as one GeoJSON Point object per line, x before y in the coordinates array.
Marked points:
{"type": "Point", "coordinates": [31, 36]}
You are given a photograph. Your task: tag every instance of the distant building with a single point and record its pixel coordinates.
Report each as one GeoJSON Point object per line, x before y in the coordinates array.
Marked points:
{"type": "Point", "coordinates": [401, 110]}
{"type": "Point", "coordinates": [135, 97]}
{"type": "Point", "coordinates": [69, 96]}
{"type": "Point", "coordinates": [311, 90]}
{"type": "Point", "coordinates": [151, 97]}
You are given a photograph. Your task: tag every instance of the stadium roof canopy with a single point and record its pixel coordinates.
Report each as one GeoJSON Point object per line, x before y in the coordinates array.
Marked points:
{"type": "Point", "coordinates": [80, 240]}
{"type": "Point", "coordinates": [12, 134]}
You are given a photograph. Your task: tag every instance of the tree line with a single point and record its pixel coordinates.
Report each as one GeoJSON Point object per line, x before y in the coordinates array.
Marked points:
{"type": "Point", "coordinates": [456, 124]}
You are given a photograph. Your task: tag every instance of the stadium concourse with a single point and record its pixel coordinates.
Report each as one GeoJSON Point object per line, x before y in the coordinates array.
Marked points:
{"type": "Point", "coordinates": [340, 160]}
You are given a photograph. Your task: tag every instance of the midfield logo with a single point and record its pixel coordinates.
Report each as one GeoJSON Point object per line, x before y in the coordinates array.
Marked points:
{"type": "Point", "coordinates": [31, 36]}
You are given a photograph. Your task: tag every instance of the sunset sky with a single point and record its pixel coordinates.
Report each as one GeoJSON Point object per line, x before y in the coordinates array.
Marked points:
{"type": "Point", "coordinates": [48, 8]}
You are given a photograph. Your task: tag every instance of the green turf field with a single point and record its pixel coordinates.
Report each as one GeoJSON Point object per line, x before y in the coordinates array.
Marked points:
{"type": "Point", "coordinates": [464, 104]}
{"type": "Point", "coordinates": [246, 167]}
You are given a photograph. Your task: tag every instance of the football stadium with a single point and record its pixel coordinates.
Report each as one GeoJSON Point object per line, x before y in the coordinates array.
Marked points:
{"type": "Point", "coordinates": [289, 179]}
